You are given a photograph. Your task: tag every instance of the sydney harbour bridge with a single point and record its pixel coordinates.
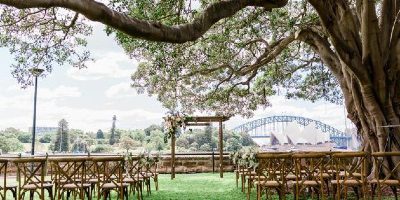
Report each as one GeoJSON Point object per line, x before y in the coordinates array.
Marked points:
{"type": "Point", "coordinates": [262, 128]}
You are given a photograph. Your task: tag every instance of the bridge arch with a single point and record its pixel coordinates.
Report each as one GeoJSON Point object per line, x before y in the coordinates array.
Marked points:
{"type": "Point", "coordinates": [337, 136]}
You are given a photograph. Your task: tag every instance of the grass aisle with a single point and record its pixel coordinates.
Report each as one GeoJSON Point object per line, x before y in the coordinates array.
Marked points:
{"type": "Point", "coordinates": [205, 186]}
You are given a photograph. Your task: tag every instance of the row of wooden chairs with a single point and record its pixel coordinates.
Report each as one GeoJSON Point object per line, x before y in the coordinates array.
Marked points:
{"type": "Point", "coordinates": [320, 174]}
{"type": "Point", "coordinates": [79, 177]}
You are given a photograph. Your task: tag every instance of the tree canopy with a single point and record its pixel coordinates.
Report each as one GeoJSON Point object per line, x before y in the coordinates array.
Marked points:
{"type": "Point", "coordinates": [229, 56]}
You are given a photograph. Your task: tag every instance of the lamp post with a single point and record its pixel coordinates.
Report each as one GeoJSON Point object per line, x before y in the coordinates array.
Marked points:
{"type": "Point", "coordinates": [35, 72]}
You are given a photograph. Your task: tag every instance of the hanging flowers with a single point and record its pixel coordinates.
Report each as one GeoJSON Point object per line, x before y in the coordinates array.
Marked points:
{"type": "Point", "coordinates": [172, 123]}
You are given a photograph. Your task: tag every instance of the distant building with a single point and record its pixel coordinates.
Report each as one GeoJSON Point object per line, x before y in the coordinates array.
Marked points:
{"type": "Point", "coordinates": [44, 130]}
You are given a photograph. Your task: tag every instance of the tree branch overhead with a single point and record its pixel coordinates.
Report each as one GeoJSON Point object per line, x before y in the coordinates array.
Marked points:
{"type": "Point", "coordinates": [148, 30]}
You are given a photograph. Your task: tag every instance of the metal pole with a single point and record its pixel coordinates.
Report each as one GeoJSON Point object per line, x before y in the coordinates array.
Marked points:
{"type": "Point", "coordinates": [34, 119]}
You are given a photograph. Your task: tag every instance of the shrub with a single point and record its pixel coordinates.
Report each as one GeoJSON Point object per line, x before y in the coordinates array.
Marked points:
{"type": "Point", "coordinates": [100, 148]}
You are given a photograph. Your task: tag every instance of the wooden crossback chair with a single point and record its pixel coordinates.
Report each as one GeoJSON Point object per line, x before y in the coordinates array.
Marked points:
{"type": "Point", "coordinates": [310, 170]}
{"type": "Point", "coordinates": [350, 170]}
{"type": "Point", "coordinates": [133, 175]}
{"type": "Point", "coordinates": [150, 172]}
{"type": "Point", "coordinates": [31, 174]}
{"type": "Point", "coordinates": [271, 173]}
{"type": "Point", "coordinates": [70, 177]}
{"type": "Point", "coordinates": [92, 176]}
{"type": "Point", "coordinates": [4, 187]}
{"type": "Point", "coordinates": [391, 179]}
{"type": "Point", "coordinates": [111, 170]}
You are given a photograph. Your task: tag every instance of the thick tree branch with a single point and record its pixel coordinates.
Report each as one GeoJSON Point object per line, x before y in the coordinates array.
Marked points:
{"type": "Point", "coordinates": [154, 31]}
{"type": "Point", "coordinates": [340, 24]}
{"type": "Point", "coordinates": [388, 16]}
{"type": "Point", "coordinates": [321, 46]}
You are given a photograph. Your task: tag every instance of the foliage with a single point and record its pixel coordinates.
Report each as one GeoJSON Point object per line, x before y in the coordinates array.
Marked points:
{"type": "Point", "coordinates": [245, 157]}
{"type": "Point", "coordinates": [206, 139]}
{"type": "Point", "coordinates": [147, 159]}
{"type": "Point", "coordinates": [101, 148]}
{"type": "Point", "coordinates": [112, 137]}
{"type": "Point", "coordinates": [211, 73]}
{"type": "Point", "coordinates": [128, 143]}
{"type": "Point", "coordinates": [10, 144]}
{"type": "Point", "coordinates": [79, 146]}
{"type": "Point", "coordinates": [61, 144]}
{"type": "Point", "coordinates": [25, 137]}
{"type": "Point", "coordinates": [99, 134]}
{"type": "Point", "coordinates": [47, 138]}
{"type": "Point", "coordinates": [172, 123]}
{"type": "Point", "coordinates": [11, 132]}
{"type": "Point", "coordinates": [152, 128]}
{"type": "Point", "coordinates": [43, 37]}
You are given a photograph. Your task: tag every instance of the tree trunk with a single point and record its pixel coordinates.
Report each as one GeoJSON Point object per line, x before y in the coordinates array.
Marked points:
{"type": "Point", "coordinates": [372, 115]}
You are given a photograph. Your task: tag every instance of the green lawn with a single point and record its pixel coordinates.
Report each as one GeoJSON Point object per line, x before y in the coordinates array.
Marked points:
{"type": "Point", "coordinates": [197, 186]}
{"type": "Point", "coordinates": [202, 186]}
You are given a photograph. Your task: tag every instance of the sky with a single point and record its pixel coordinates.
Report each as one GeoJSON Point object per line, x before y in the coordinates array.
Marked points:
{"type": "Point", "coordinates": [88, 98]}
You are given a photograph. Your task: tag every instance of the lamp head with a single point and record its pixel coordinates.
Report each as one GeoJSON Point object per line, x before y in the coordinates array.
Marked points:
{"type": "Point", "coordinates": [36, 71]}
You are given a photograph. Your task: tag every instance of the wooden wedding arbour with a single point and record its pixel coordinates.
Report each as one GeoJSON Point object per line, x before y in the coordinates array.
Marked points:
{"type": "Point", "coordinates": [202, 121]}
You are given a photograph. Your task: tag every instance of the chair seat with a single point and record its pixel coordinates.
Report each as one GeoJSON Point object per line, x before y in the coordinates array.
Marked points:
{"type": "Point", "coordinates": [93, 180]}
{"type": "Point", "coordinates": [9, 187]}
{"type": "Point", "coordinates": [385, 182]}
{"type": "Point", "coordinates": [268, 183]}
{"type": "Point", "coordinates": [291, 177]}
{"type": "Point", "coordinates": [34, 187]}
{"type": "Point", "coordinates": [307, 182]}
{"type": "Point", "coordinates": [114, 185]}
{"type": "Point", "coordinates": [346, 182]}
{"type": "Point", "coordinates": [74, 186]}
{"type": "Point", "coordinates": [131, 180]}
{"type": "Point", "coordinates": [355, 174]}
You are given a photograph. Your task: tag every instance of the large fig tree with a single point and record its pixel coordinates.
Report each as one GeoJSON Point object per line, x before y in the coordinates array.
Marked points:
{"type": "Point", "coordinates": [229, 56]}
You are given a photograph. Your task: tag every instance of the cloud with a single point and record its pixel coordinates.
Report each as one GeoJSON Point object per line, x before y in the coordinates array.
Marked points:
{"type": "Point", "coordinates": [120, 90]}
{"type": "Point", "coordinates": [60, 92]}
{"type": "Point", "coordinates": [16, 108]}
{"type": "Point", "coordinates": [110, 65]}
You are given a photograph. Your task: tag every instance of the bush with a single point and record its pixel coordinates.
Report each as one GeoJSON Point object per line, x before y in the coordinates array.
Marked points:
{"type": "Point", "coordinates": [47, 138]}
{"type": "Point", "coordinates": [10, 145]}
{"type": "Point", "coordinates": [100, 148]}
{"type": "Point", "coordinates": [25, 137]}
{"type": "Point", "coordinates": [205, 147]}
{"type": "Point", "coordinates": [102, 141]}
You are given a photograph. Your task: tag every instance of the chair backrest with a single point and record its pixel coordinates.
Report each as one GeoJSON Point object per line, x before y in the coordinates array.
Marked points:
{"type": "Point", "coordinates": [309, 167]}
{"type": "Point", "coordinates": [149, 165]}
{"type": "Point", "coordinates": [133, 167]}
{"type": "Point", "coordinates": [3, 172]}
{"type": "Point", "coordinates": [69, 171]}
{"type": "Point", "coordinates": [385, 169]}
{"type": "Point", "coordinates": [91, 171]}
{"type": "Point", "coordinates": [273, 166]}
{"type": "Point", "coordinates": [111, 169]}
{"type": "Point", "coordinates": [31, 171]}
{"type": "Point", "coordinates": [350, 166]}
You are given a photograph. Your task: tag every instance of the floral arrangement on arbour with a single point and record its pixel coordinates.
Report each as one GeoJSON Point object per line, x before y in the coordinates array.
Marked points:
{"type": "Point", "coordinates": [245, 157]}
{"type": "Point", "coordinates": [173, 121]}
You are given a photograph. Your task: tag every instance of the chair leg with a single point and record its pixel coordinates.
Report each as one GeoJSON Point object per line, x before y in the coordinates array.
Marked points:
{"type": "Point", "coordinates": [355, 189]}
{"type": "Point", "coordinates": [243, 179]}
{"type": "Point", "coordinates": [394, 190]}
{"type": "Point", "coordinates": [155, 179]}
{"type": "Point", "coordinates": [31, 194]}
{"type": "Point", "coordinates": [237, 179]}
{"type": "Point", "coordinates": [50, 191]}
{"type": "Point", "coordinates": [248, 189]}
